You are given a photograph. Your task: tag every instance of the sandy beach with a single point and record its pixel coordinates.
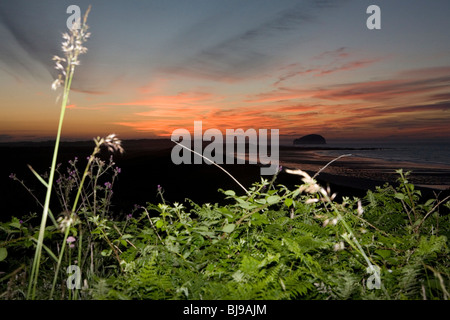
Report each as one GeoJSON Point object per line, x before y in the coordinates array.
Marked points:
{"type": "Point", "coordinates": [361, 172]}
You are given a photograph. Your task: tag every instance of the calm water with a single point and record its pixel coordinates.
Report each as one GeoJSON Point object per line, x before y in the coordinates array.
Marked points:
{"type": "Point", "coordinates": [423, 153]}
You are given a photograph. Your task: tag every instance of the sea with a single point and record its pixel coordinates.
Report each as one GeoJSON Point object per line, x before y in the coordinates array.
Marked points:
{"type": "Point", "coordinates": [429, 163]}
{"type": "Point", "coordinates": [419, 153]}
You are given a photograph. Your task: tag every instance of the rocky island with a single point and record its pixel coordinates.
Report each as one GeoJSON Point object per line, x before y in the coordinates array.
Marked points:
{"type": "Point", "coordinates": [310, 139]}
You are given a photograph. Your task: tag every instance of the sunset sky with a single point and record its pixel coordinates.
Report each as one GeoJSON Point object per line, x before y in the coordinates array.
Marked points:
{"type": "Point", "coordinates": [298, 66]}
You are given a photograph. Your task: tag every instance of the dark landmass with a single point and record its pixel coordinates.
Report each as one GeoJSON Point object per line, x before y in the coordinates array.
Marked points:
{"type": "Point", "coordinates": [144, 165]}
{"type": "Point", "coordinates": [310, 139]}
{"type": "Point", "coordinates": [147, 164]}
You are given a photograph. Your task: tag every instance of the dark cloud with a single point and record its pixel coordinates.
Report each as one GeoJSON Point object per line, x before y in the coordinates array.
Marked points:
{"type": "Point", "coordinates": [383, 90]}
{"type": "Point", "coordinates": [439, 96]}
{"type": "Point", "coordinates": [31, 28]}
{"type": "Point", "coordinates": [444, 106]}
{"type": "Point", "coordinates": [239, 56]}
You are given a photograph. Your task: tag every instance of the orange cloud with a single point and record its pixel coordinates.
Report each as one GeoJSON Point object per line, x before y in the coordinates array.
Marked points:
{"type": "Point", "coordinates": [401, 105]}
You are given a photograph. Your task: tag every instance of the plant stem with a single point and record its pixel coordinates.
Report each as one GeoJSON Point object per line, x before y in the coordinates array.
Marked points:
{"type": "Point", "coordinates": [37, 257]}
{"type": "Point", "coordinates": [96, 150]}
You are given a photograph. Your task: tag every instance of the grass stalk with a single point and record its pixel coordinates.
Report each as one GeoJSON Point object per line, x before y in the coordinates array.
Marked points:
{"type": "Point", "coordinates": [72, 48]}
{"type": "Point", "coordinates": [31, 294]}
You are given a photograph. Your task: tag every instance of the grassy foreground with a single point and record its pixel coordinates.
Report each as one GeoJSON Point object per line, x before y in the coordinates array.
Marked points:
{"type": "Point", "coordinates": [269, 243]}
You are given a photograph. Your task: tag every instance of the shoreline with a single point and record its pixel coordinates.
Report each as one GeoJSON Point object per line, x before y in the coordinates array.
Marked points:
{"type": "Point", "coordinates": [364, 171]}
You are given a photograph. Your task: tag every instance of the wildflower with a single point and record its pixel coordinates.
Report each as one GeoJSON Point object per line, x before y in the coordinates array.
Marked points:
{"type": "Point", "coordinates": [12, 176]}
{"type": "Point", "coordinates": [85, 284]}
{"type": "Point", "coordinates": [159, 187]}
{"type": "Point", "coordinates": [57, 83]}
{"type": "Point", "coordinates": [72, 47]}
{"type": "Point", "coordinates": [118, 170]}
{"type": "Point", "coordinates": [20, 221]}
{"type": "Point", "coordinates": [129, 216]}
{"type": "Point", "coordinates": [339, 246]}
{"type": "Point", "coordinates": [360, 208]}
{"type": "Point", "coordinates": [312, 200]}
{"type": "Point", "coordinates": [66, 220]}
{"type": "Point", "coordinates": [113, 143]}
{"type": "Point", "coordinates": [70, 241]}
{"type": "Point", "coordinates": [108, 185]}
{"type": "Point", "coordinates": [310, 185]}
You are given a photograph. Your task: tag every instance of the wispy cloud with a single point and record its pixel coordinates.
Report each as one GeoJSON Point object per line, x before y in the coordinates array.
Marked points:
{"type": "Point", "coordinates": [250, 51]}
{"type": "Point", "coordinates": [27, 45]}
{"type": "Point", "coordinates": [324, 64]}
{"type": "Point", "coordinates": [384, 89]}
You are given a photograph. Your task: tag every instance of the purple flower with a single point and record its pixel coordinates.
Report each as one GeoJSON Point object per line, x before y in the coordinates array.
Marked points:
{"type": "Point", "coordinates": [108, 185]}
{"type": "Point", "coordinates": [118, 170]}
{"type": "Point", "coordinates": [129, 216]}
{"type": "Point", "coordinates": [159, 187]}
{"type": "Point", "coordinates": [70, 241]}
{"type": "Point", "coordinates": [12, 176]}
{"type": "Point", "coordinates": [20, 221]}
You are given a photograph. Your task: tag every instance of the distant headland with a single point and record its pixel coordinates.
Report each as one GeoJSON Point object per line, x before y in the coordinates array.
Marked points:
{"type": "Point", "coordinates": [310, 139]}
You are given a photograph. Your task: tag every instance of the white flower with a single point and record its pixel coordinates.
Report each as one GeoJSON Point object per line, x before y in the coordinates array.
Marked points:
{"type": "Point", "coordinates": [57, 83]}
{"type": "Point", "coordinates": [113, 143]}
{"type": "Point", "coordinates": [72, 46]}
{"type": "Point", "coordinates": [360, 208]}
{"type": "Point", "coordinates": [339, 246]}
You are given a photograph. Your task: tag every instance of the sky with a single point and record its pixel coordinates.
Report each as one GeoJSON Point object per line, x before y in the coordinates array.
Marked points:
{"type": "Point", "coordinates": [301, 67]}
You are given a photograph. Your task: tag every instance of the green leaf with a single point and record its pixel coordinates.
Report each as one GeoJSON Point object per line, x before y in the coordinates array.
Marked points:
{"type": "Point", "coordinates": [15, 224]}
{"type": "Point", "coordinates": [384, 253]}
{"type": "Point", "coordinates": [106, 253]}
{"type": "Point", "coordinates": [159, 223]}
{"type": "Point", "coordinates": [51, 254]}
{"type": "Point", "coordinates": [261, 201]}
{"type": "Point", "coordinates": [273, 199]}
{"type": "Point", "coordinates": [259, 219]}
{"type": "Point", "coordinates": [38, 176]}
{"type": "Point", "coordinates": [3, 254]}
{"type": "Point", "coordinates": [230, 193]}
{"type": "Point", "coordinates": [400, 196]}
{"type": "Point", "coordinates": [246, 205]}
{"type": "Point", "coordinates": [229, 228]}
{"type": "Point", "coordinates": [288, 202]}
